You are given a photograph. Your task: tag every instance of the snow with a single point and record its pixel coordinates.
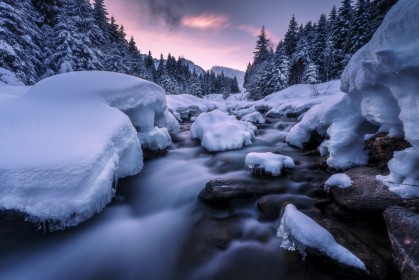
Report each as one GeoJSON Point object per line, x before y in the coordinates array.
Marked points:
{"type": "Point", "coordinates": [269, 162]}
{"type": "Point", "coordinates": [156, 139]}
{"type": "Point", "coordinates": [339, 180]}
{"type": "Point", "coordinates": [185, 106]}
{"type": "Point", "coordinates": [298, 232]}
{"type": "Point", "coordinates": [254, 117]}
{"type": "Point", "coordinates": [65, 143]}
{"type": "Point", "coordinates": [219, 131]}
{"type": "Point", "coordinates": [297, 99]}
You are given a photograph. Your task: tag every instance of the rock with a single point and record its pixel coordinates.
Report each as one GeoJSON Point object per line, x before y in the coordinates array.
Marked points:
{"type": "Point", "coordinates": [403, 230]}
{"type": "Point", "coordinates": [270, 206]}
{"type": "Point", "coordinates": [381, 149]}
{"type": "Point", "coordinates": [366, 194]}
{"type": "Point", "coordinates": [378, 266]}
{"type": "Point", "coordinates": [221, 192]}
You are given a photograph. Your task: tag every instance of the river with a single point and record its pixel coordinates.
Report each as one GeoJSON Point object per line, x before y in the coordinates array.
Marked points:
{"type": "Point", "coordinates": [156, 228]}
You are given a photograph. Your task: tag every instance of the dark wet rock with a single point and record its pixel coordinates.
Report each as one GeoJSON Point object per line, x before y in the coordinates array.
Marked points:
{"type": "Point", "coordinates": [221, 192]}
{"type": "Point", "coordinates": [151, 154]}
{"type": "Point", "coordinates": [381, 149]}
{"type": "Point", "coordinates": [366, 194]}
{"type": "Point", "coordinates": [403, 230]}
{"type": "Point", "coordinates": [378, 264]}
{"type": "Point", "coordinates": [322, 203]}
{"type": "Point", "coordinates": [270, 206]}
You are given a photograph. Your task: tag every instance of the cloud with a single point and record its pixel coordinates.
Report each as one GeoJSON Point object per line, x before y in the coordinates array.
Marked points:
{"type": "Point", "coordinates": [171, 11]}
{"type": "Point", "coordinates": [206, 21]}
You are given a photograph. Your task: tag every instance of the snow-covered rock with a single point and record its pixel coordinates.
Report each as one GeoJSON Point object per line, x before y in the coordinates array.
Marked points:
{"type": "Point", "coordinates": [340, 180]}
{"type": "Point", "coordinates": [185, 106]}
{"type": "Point", "coordinates": [219, 131]}
{"type": "Point", "coordinates": [299, 232]}
{"type": "Point", "coordinates": [157, 139]}
{"type": "Point", "coordinates": [66, 141]}
{"type": "Point", "coordinates": [254, 117]}
{"type": "Point", "coordinates": [269, 163]}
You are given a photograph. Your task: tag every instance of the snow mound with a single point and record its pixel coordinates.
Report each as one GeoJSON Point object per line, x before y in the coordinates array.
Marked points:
{"type": "Point", "coordinates": [299, 232]}
{"type": "Point", "coordinates": [63, 146]}
{"type": "Point", "coordinates": [254, 117]}
{"type": "Point", "coordinates": [339, 180]}
{"type": "Point", "coordinates": [186, 106]}
{"type": "Point", "coordinates": [219, 131]}
{"type": "Point", "coordinates": [269, 163]}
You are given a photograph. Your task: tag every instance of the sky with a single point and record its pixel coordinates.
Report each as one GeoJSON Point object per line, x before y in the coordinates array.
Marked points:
{"type": "Point", "coordinates": [215, 32]}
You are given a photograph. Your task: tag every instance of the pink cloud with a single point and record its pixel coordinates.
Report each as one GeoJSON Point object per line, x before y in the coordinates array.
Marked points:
{"type": "Point", "coordinates": [206, 21]}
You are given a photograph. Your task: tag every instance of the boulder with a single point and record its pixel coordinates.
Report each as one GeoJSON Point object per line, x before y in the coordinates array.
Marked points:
{"type": "Point", "coordinates": [403, 230]}
{"type": "Point", "coordinates": [366, 194]}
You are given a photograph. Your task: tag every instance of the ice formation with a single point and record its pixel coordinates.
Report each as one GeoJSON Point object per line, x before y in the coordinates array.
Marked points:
{"type": "Point", "coordinates": [65, 143]}
{"type": "Point", "coordinates": [269, 163]}
{"type": "Point", "coordinates": [340, 180]}
{"type": "Point", "coordinates": [219, 131]}
{"type": "Point", "coordinates": [299, 232]}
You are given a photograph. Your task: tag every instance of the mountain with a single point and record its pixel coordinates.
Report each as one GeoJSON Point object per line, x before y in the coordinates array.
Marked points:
{"type": "Point", "coordinates": [230, 72]}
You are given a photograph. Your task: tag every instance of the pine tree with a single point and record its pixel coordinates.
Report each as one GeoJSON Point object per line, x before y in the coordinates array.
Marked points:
{"type": "Point", "coordinates": [100, 14]}
{"type": "Point", "coordinates": [49, 10]}
{"type": "Point", "coordinates": [291, 37]}
{"type": "Point", "coordinates": [320, 45]}
{"type": "Point", "coordinates": [311, 74]}
{"type": "Point", "coordinates": [234, 86]}
{"type": "Point", "coordinates": [136, 62]}
{"type": "Point", "coordinates": [341, 34]}
{"type": "Point", "coordinates": [360, 28]}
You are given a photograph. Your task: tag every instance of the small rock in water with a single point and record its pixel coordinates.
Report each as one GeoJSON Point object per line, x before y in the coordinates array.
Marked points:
{"type": "Point", "coordinates": [403, 230]}
{"type": "Point", "coordinates": [221, 192]}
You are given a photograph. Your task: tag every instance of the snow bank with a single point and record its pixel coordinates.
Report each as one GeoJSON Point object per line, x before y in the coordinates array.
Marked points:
{"type": "Point", "coordinates": [220, 132]}
{"type": "Point", "coordinates": [381, 87]}
{"type": "Point", "coordinates": [297, 99]}
{"type": "Point", "coordinates": [63, 145]}
{"type": "Point", "coordinates": [269, 162]}
{"type": "Point", "coordinates": [339, 180]}
{"type": "Point", "coordinates": [185, 106]}
{"type": "Point", "coordinates": [298, 232]}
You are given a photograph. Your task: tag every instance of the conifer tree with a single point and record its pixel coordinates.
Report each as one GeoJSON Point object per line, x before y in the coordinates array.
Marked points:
{"type": "Point", "coordinates": [291, 37]}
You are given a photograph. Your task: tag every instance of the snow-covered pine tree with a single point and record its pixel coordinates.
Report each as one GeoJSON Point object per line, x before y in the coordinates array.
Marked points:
{"type": "Point", "coordinates": [100, 14]}
{"type": "Point", "coordinates": [342, 45]}
{"type": "Point", "coordinates": [300, 59]}
{"type": "Point", "coordinates": [320, 45]}
{"type": "Point", "coordinates": [150, 67]}
{"type": "Point", "coordinates": [234, 85]}
{"type": "Point", "coordinates": [262, 56]}
{"type": "Point", "coordinates": [49, 10]}
{"type": "Point", "coordinates": [136, 62]}
{"type": "Point", "coordinates": [311, 74]}
{"type": "Point", "coordinates": [77, 39]}
{"type": "Point", "coordinates": [20, 39]}
{"type": "Point", "coordinates": [117, 59]}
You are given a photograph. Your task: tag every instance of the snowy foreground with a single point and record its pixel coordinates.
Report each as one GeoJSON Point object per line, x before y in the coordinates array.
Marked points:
{"type": "Point", "coordinates": [70, 137]}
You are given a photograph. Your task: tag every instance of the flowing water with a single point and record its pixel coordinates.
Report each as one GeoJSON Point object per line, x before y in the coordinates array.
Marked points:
{"type": "Point", "coordinates": [156, 228]}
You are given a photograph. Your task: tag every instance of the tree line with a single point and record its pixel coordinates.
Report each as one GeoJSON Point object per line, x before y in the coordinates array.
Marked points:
{"type": "Point", "coordinates": [314, 53]}
{"type": "Point", "coordinates": [41, 38]}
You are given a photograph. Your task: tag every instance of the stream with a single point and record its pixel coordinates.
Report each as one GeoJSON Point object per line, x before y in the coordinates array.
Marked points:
{"type": "Point", "coordinates": [156, 228]}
